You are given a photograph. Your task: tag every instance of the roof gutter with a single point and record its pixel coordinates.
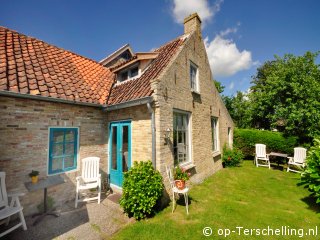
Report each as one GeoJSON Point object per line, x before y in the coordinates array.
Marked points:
{"type": "Point", "coordinates": [48, 99]}
{"type": "Point", "coordinates": [132, 103]}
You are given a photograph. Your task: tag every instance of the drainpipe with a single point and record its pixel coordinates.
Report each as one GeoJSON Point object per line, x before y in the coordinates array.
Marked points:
{"type": "Point", "coordinates": [153, 131]}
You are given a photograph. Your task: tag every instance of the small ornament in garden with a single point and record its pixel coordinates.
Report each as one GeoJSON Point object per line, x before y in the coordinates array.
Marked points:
{"type": "Point", "coordinates": [180, 177]}
{"type": "Point", "coordinates": [34, 176]}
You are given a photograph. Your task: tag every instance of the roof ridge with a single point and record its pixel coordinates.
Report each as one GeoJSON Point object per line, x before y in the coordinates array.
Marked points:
{"type": "Point", "coordinates": [49, 44]}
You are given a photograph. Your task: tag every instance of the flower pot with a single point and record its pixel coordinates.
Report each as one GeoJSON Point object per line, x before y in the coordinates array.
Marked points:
{"type": "Point", "coordinates": [180, 184]}
{"type": "Point", "coordinates": [34, 179]}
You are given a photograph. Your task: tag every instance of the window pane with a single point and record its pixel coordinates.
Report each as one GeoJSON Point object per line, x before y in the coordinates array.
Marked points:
{"type": "Point", "coordinates": [124, 76]}
{"type": "Point", "coordinates": [70, 135]}
{"type": "Point", "coordinates": [125, 142]}
{"type": "Point", "coordinates": [134, 72]}
{"type": "Point", "coordinates": [193, 76]}
{"type": "Point", "coordinates": [63, 149]}
{"type": "Point", "coordinates": [69, 162]}
{"type": "Point", "coordinates": [57, 149]}
{"type": "Point", "coordinates": [57, 164]}
{"type": "Point", "coordinates": [114, 148]}
{"type": "Point", "coordinates": [58, 135]}
{"type": "Point", "coordinates": [180, 138]}
{"type": "Point", "coordinates": [69, 149]}
{"type": "Point", "coordinates": [214, 134]}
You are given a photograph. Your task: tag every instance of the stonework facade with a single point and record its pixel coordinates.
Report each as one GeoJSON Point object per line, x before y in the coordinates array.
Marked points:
{"type": "Point", "coordinates": [24, 130]}
{"type": "Point", "coordinates": [173, 92]}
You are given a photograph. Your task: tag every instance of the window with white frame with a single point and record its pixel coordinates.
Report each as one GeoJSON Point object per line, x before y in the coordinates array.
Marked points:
{"type": "Point", "coordinates": [215, 134]}
{"type": "Point", "coordinates": [229, 137]}
{"type": "Point", "coordinates": [181, 137]}
{"type": "Point", "coordinates": [128, 73]}
{"type": "Point", "coordinates": [63, 150]}
{"type": "Point", "coordinates": [194, 81]}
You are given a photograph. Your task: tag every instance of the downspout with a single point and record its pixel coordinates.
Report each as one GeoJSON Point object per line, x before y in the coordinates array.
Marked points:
{"type": "Point", "coordinates": [153, 131]}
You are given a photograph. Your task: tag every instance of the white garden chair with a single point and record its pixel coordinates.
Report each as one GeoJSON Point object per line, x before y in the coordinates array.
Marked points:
{"type": "Point", "coordinates": [298, 159]}
{"type": "Point", "coordinates": [90, 178]}
{"type": "Point", "coordinates": [262, 156]}
{"type": "Point", "coordinates": [177, 191]}
{"type": "Point", "coordinates": [8, 210]}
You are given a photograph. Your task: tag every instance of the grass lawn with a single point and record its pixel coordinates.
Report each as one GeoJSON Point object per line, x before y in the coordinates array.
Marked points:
{"type": "Point", "coordinates": [248, 197]}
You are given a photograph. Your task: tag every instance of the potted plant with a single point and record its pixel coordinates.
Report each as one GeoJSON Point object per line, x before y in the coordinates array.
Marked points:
{"type": "Point", "coordinates": [180, 177]}
{"type": "Point", "coordinates": [34, 176]}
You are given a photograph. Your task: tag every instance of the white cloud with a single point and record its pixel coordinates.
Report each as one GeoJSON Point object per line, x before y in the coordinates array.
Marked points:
{"type": "Point", "coordinates": [224, 56]}
{"type": "Point", "coordinates": [231, 86]}
{"type": "Point", "coordinates": [183, 8]}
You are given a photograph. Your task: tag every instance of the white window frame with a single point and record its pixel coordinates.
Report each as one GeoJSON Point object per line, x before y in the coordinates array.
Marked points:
{"type": "Point", "coordinates": [188, 135]}
{"type": "Point", "coordinates": [78, 151]}
{"type": "Point", "coordinates": [215, 134]}
{"type": "Point", "coordinates": [229, 137]}
{"type": "Point", "coordinates": [195, 81]}
{"type": "Point", "coordinates": [128, 70]}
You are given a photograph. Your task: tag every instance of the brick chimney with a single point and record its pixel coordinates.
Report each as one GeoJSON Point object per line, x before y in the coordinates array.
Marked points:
{"type": "Point", "coordinates": [192, 23]}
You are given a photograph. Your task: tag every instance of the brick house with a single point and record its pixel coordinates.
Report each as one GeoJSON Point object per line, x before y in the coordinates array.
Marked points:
{"type": "Point", "coordinates": [160, 105]}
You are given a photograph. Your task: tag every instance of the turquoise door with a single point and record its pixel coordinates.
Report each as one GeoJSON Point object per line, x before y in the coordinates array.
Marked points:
{"type": "Point", "coordinates": [119, 151]}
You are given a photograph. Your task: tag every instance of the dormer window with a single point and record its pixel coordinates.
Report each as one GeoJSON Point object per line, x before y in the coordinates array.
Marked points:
{"type": "Point", "coordinates": [128, 74]}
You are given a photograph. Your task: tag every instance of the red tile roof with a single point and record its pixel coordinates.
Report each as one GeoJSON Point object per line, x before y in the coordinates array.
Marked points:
{"type": "Point", "coordinates": [141, 87]}
{"type": "Point", "coordinates": [31, 66]}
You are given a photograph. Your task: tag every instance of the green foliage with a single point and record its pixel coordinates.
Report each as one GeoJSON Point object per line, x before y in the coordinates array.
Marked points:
{"type": "Point", "coordinates": [219, 86]}
{"type": "Point", "coordinates": [33, 173]}
{"type": "Point", "coordinates": [245, 140]}
{"type": "Point", "coordinates": [142, 187]}
{"type": "Point", "coordinates": [180, 174]}
{"type": "Point", "coordinates": [239, 108]}
{"type": "Point", "coordinates": [311, 175]}
{"type": "Point", "coordinates": [232, 157]}
{"type": "Point", "coordinates": [285, 95]}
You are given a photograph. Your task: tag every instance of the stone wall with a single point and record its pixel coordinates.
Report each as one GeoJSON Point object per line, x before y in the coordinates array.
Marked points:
{"type": "Point", "coordinates": [141, 136]}
{"type": "Point", "coordinates": [24, 134]}
{"type": "Point", "coordinates": [172, 91]}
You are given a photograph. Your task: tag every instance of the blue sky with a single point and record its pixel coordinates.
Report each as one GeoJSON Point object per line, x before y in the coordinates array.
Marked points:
{"type": "Point", "coordinates": [239, 34]}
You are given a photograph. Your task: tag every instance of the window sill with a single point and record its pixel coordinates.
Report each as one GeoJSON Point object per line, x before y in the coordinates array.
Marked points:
{"type": "Point", "coordinates": [216, 153]}
{"type": "Point", "coordinates": [195, 91]}
{"type": "Point", "coordinates": [187, 166]}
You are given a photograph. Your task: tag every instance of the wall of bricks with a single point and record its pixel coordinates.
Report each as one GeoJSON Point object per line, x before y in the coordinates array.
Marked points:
{"type": "Point", "coordinates": [141, 136]}
{"type": "Point", "coordinates": [172, 91]}
{"type": "Point", "coordinates": [24, 133]}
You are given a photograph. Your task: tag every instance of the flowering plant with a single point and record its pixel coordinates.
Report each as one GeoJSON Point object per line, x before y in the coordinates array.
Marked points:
{"type": "Point", "coordinates": [181, 174]}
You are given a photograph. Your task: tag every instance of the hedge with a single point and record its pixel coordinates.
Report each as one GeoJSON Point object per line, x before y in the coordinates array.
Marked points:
{"type": "Point", "coordinates": [245, 140]}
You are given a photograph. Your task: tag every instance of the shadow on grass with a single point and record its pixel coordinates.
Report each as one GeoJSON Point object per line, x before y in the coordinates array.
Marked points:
{"type": "Point", "coordinates": [181, 201]}
{"type": "Point", "coordinates": [312, 205]}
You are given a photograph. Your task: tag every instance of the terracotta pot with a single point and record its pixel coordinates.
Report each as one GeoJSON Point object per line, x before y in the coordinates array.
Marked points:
{"type": "Point", "coordinates": [180, 184]}
{"type": "Point", "coordinates": [34, 179]}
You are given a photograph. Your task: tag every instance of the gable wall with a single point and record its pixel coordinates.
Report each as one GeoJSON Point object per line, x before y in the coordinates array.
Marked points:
{"type": "Point", "coordinates": [24, 133]}
{"type": "Point", "coordinates": [172, 91]}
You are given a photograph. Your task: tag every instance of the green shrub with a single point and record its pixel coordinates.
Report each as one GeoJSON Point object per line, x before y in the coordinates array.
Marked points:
{"type": "Point", "coordinates": [245, 140]}
{"type": "Point", "coordinates": [311, 175]}
{"type": "Point", "coordinates": [141, 189]}
{"type": "Point", "coordinates": [231, 157]}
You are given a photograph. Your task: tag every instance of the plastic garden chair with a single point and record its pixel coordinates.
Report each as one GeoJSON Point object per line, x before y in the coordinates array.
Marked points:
{"type": "Point", "coordinates": [261, 157]}
{"type": "Point", "coordinates": [8, 210]}
{"type": "Point", "coordinates": [89, 179]}
{"type": "Point", "coordinates": [298, 159]}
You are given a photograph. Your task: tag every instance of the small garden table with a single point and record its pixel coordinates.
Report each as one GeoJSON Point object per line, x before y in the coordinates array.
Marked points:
{"type": "Point", "coordinates": [44, 184]}
{"type": "Point", "coordinates": [281, 155]}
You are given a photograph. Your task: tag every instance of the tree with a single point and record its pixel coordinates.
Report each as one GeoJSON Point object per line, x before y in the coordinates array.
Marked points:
{"type": "Point", "coordinates": [239, 109]}
{"type": "Point", "coordinates": [286, 95]}
{"type": "Point", "coordinates": [219, 86]}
